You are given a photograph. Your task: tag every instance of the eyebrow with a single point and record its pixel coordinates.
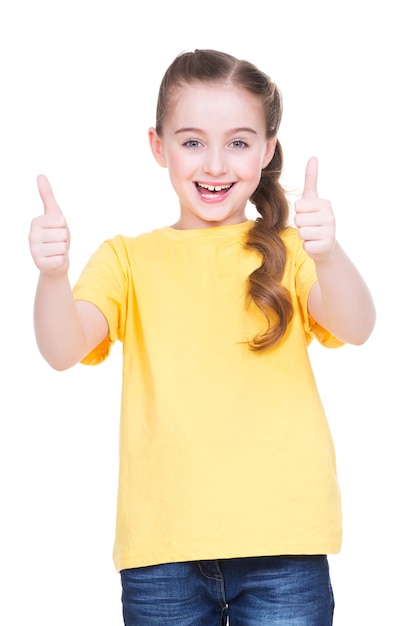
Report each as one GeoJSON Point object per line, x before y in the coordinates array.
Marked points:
{"type": "Point", "coordinates": [232, 131]}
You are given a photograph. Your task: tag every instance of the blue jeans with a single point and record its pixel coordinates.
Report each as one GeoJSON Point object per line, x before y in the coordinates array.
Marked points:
{"type": "Point", "coordinates": [256, 591]}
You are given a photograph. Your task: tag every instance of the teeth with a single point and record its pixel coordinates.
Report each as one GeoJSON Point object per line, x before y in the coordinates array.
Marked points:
{"type": "Point", "coordinates": [213, 187]}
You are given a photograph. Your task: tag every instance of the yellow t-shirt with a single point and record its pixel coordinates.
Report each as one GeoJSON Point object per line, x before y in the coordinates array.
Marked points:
{"type": "Point", "coordinates": [223, 452]}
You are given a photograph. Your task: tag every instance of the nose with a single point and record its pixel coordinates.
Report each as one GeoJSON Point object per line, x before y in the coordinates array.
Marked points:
{"type": "Point", "coordinates": [215, 161]}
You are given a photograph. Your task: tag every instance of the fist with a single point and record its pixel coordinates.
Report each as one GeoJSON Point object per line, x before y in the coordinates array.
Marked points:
{"type": "Point", "coordinates": [314, 217]}
{"type": "Point", "coordinates": [49, 237]}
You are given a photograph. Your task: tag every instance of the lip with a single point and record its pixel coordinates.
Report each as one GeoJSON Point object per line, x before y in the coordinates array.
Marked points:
{"type": "Point", "coordinates": [211, 183]}
{"type": "Point", "coordinates": [213, 191]}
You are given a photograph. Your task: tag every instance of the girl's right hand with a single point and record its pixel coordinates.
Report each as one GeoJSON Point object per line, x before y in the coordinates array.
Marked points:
{"type": "Point", "coordinates": [49, 237]}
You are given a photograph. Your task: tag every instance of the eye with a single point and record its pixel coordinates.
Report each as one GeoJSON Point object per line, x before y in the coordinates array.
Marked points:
{"type": "Point", "coordinates": [238, 143]}
{"type": "Point", "coordinates": [192, 143]}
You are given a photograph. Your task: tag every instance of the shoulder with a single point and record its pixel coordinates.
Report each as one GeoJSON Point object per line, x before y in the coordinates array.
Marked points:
{"type": "Point", "coordinates": [124, 245]}
{"type": "Point", "coordinates": [290, 238]}
{"type": "Point", "coordinates": [293, 244]}
{"type": "Point", "coordinates": [297, 257]}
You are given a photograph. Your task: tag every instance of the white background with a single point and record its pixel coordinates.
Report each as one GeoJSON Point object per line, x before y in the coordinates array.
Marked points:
{"type": "Point", "coordinates": [79, 82]}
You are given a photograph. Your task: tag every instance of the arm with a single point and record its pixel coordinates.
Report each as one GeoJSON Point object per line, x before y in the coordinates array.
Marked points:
{"type": "Point", "coordinates": [340, 301]}
{"type": "Point", "coordinates": [65, 330]}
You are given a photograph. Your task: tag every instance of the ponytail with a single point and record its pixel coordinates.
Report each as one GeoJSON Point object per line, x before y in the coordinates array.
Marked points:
{"type": "Point", "coordinates": [264, 283]}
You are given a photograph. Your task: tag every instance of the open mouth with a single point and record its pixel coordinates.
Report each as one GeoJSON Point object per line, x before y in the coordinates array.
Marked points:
{"type": "Point", "coordinates": [208, 191]}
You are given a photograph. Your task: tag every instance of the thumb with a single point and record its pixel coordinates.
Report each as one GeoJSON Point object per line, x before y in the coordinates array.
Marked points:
{"type": "Point", "coordinates": [311, 179]}
{"type": "Point", "coordinates": [50, 204]}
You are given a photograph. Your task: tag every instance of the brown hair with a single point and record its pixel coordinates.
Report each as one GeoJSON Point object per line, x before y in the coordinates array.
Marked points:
{"type": "Point", "coordinates": [264, 283]}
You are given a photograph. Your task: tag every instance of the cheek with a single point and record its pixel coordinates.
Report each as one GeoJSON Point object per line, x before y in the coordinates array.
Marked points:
{"type": "Point", "coordinates": [180, 171]}
{"type": "Point", "coordinates": [254, 166]}
{"type": "Point", "coordinates": [179, 164]}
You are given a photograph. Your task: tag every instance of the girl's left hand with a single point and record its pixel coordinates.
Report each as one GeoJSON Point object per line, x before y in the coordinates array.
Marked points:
{"type": "Point", "coordinates": [314, 217]}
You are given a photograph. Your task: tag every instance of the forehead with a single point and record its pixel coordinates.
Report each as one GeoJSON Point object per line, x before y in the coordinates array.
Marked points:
{"type": "Point", "coordinates": [214, 101]}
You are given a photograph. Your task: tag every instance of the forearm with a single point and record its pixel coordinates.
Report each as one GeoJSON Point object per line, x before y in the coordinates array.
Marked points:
{"type": "Point", "coordinates": [341, 300]}
{"type": "Point", "coordinates": [58, 330]}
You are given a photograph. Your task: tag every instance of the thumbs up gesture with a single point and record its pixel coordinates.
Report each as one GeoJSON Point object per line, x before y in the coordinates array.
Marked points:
{"type": "Point", "coordinates": [314, 217]}
{"type": "Point", "coordinates": [49, 237]}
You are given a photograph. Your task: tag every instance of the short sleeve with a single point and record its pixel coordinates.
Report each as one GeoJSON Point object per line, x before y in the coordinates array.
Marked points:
{"type": "Point", "coordinates": [103, 282]}
{"type": "Point", "coordinates": [305, 277]}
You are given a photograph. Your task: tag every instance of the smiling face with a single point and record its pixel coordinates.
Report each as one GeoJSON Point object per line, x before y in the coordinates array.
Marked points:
{"type": "Point", "coordinates": [214, 146]}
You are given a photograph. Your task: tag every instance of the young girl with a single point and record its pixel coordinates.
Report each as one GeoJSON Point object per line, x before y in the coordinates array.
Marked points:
{"type": "Point", "coordinates": [228, 500]}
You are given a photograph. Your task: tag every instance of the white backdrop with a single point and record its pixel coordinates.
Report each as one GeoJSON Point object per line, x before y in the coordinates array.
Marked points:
{"type": "Point", "coordinates": [79, 82]}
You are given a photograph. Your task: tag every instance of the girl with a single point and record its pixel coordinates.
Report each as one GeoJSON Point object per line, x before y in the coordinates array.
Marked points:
{"type": "Point", "coordinates": [228, 500]}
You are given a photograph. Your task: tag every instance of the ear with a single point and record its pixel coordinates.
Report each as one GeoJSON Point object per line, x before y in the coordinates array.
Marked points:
{"type": "Point", "coordinates": [268, 155]}
{"type": "Point", "coordinates": [157, 148]}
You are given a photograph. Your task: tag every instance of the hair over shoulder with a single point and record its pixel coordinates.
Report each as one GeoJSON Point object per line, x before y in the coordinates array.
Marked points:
{"type": "Point", "coordinates": [264, 283]}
